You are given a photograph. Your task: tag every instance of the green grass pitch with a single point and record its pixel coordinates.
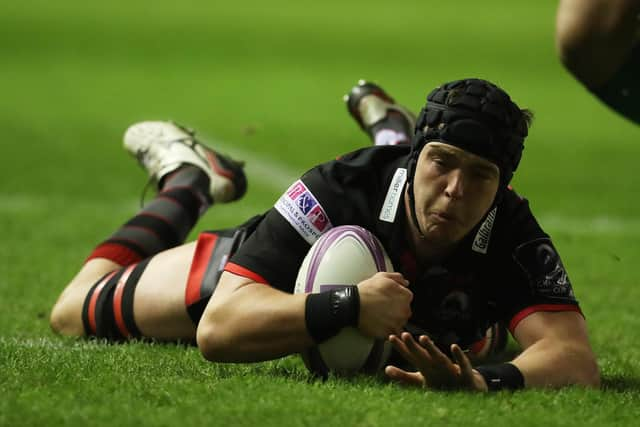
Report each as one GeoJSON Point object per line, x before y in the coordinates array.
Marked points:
{"type": "Point", "coordinates": [264, 80]}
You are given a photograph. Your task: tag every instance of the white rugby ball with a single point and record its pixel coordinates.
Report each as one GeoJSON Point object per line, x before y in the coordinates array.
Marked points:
{"type": "Point", "coordinates": [344, 256]}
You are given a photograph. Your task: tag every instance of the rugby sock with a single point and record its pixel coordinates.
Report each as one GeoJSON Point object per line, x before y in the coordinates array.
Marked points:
{"type": "Point", "coordinates": [622, 91]}
{"type": "Point", "coordinates": [164, 222]}
{"type": "Point", "coordinates": [107, 311]}
{"type": "Point", "coordinates": [392, 130]}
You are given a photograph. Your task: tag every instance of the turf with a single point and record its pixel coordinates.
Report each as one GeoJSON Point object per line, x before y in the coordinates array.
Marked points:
{"type": "Point", "coordinates": [264, 80]}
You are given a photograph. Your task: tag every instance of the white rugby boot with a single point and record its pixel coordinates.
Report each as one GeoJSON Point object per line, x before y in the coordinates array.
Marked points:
{"type": "Point", "coordinates": [162, 147]}
{"type": "Point", "coordinates": [384, 120]}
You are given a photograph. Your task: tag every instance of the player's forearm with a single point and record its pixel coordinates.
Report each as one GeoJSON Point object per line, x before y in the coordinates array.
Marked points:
{"type": "Point", "coordinates": [256, 323]}
{"type": "Point", "coordinates": [549, 363]}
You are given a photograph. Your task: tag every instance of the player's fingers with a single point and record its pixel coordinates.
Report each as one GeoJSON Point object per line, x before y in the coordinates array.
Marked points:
{"type": "Point", "coordinates": [418, 351]}
{"type": "Point", "coordinates": [396, 277]}
{"type": "Point", "coordinates": [463, 361]}
{"type": "Point", "coordinates": [404, 377]}
{"type": "Point", "coordinates": [401, 348]}
{"type": "Point", "coordinates": [432, 350]}
{"type": "Point", "coordinates": [399, 345]}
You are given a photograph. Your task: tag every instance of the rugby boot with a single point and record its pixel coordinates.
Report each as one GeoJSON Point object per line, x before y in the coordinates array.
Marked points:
{"type": "Point", "coordinates": [385, 121]}
{"type": "Point", "coordinates": [162, 147]}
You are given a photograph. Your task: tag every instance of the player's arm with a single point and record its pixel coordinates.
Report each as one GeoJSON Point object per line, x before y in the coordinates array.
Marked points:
{"type": "Point", "coordinates": [247, 321]}
{"type": "Point", "coordinates": [556, 350]}
{"type": "Point", "coordinates": [556, 353]}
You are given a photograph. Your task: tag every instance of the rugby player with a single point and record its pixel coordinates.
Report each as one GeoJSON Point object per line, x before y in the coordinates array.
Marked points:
{"type": "Point", "coordinates": [467, 251]}
{"type": "Point", "coordinates": [599, 43]}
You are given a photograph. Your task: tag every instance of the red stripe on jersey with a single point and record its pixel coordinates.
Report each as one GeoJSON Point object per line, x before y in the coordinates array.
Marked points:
{"type": "Point", "coordinates": [117, 302]}
{"type": "Point", "coordinates": [119, 254]}
{"type": "Point", "coordinates": [204, 249]}
{"type": "Point", "coordinates": [477, 346]}
{"type": "Point", "coordinates": [91, 312]}
{"type": "Point", "coordinates": [241, 271]}
{"type": "Point", "coordinates": [541, 307]}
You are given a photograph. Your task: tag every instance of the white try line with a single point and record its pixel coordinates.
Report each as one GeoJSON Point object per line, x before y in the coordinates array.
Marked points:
{"type": "Point", "coordinates": [271, 173]}
{"type": "Point", "coordinates": [603, 225]}
{"type": "Point", "coordinates": [278, 176]}
{"type": "Point", "coordinates": [588, 226]}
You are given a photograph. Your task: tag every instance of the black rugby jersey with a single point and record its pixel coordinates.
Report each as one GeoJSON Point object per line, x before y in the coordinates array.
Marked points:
{"type": "Point", "coordinates": [505, 269]}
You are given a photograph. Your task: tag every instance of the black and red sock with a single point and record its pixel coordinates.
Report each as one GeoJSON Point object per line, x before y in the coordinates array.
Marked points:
{"type": "Point", "coordinates": [163, 223]}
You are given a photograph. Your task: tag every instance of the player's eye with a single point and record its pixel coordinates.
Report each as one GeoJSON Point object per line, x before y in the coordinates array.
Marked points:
{"type": "Point", "coordinates": [484, 174]}
{"type": "Point", "coordinates": [441, 161]}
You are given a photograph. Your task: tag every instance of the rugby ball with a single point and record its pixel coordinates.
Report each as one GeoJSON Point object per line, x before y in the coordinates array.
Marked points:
{"type": "Point", "coordinates": [344, 256]}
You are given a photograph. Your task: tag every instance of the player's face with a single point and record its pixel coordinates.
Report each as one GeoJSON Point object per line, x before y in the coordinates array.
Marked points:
{"type": "Point", "coordinates": [453, 190]}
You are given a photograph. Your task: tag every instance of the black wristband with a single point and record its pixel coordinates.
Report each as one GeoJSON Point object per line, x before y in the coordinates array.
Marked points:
{"type": "Point", "coordinates": [328, 312]}
{"type": "Point", "coordinates": [505, 376]}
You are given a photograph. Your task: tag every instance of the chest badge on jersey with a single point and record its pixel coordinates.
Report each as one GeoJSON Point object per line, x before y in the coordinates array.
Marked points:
{"type": "Point", "coordinates": [301, 209]}
{"type": "Point", "coordinates": [547, 276]}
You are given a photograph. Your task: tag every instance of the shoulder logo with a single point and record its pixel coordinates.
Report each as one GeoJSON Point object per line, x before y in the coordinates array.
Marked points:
{"type": "Point", "coordinates": [541, 263]}
{"type": "Point", "coordinates": [481, 241]}
{"type": "Point", "coordinates": [301, 209]}
{"type": "Point", "coordinates": [394, 195]}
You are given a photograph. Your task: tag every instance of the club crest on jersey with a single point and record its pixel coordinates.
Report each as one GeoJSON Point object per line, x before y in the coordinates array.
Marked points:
{"type": "Point", "coordinates": [301, 209]}
{"type": "Point", "coordinates": [547, 276]}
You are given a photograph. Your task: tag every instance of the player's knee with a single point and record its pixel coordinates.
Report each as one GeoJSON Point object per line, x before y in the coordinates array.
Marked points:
{"type": "Point", "coordinates": [208, 342]}
{"type": "Point", "coordinates": [105, 310]}
{"type": "Point", "coordinates": [65, 318]}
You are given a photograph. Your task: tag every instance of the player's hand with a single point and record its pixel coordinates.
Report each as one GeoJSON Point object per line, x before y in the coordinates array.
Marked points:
{"type": "Point", "coordinates": [385, 304]}
{"type": "Point", "coordinates": [435, 369]}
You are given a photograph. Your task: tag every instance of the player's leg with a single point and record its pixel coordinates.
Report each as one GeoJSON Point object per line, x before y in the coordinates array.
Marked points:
{"type": "Point", "coordinates": [599, 42]}
{"type": "Point", "coordinates": [385, 121]}
{"type": "Point", "coordinates": [100, 299]}
{"type": "Point", "coordinates": [143, 299]}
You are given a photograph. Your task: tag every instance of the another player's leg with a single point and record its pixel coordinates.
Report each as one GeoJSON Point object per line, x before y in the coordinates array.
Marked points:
{"type": "Point", "coordinates": [599, 42]}
{"type": "Point", "coordinates": [100, 299]}
{"type": "Point", "coordinates": [385, 121]}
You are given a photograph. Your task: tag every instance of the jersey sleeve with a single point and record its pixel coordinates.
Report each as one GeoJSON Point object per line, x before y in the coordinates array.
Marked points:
{"type": "Point", "coordinates": [532, 276]}
{"type": "Point", "coordinates": [271, 254]}
{"type": "Point", "coordinates": [326, 196]}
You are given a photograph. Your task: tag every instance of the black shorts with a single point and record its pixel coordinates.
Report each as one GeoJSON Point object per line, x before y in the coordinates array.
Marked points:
{"type": "Point", "coordinates": [213, 250]}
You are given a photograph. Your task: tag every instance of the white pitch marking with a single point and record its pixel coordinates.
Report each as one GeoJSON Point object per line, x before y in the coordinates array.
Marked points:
{"type": "Point", "coordinates": [268, 172]}
{"type": "Point", "coordinates": [279, 176]}
{"type": "Point", "coordinates": [589, 226]}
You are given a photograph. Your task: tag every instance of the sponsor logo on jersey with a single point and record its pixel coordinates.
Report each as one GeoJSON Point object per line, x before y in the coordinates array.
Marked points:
{"type": "Point", "coordinates": [481, 241]}
{"type": "Point", "coordinates": [301, 209]}
{"type": "Point", "coordinates": [541, 263]}
{"type": "Point", "coordinates": [394, 195]}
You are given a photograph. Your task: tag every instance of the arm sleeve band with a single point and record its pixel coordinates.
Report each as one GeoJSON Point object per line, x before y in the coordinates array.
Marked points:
{"type": "Point", "coordinates": [328, 312]}
{"type": "Point", "coordinates": [505, 376]}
